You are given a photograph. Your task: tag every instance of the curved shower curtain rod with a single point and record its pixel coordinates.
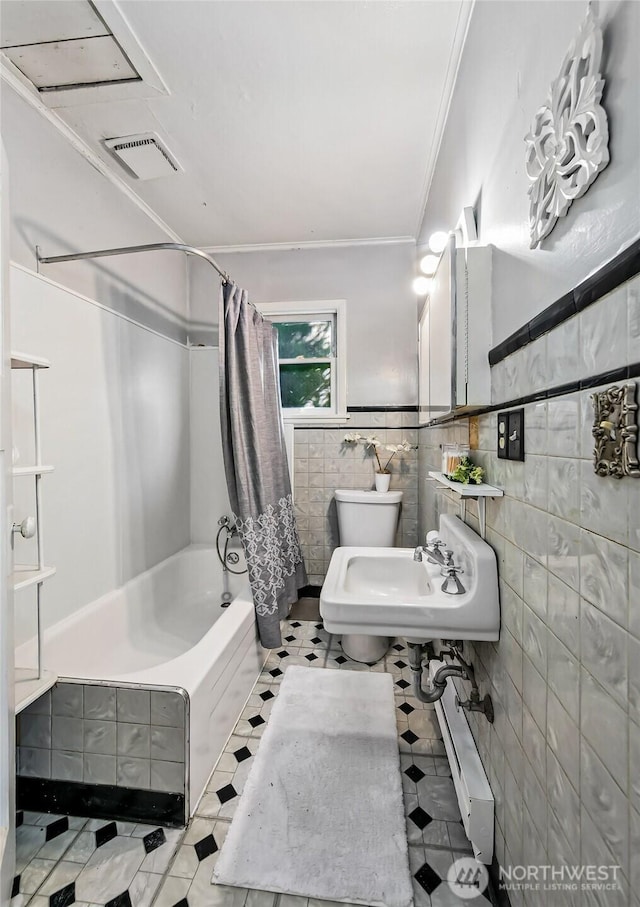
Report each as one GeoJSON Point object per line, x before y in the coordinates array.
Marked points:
{"type": "Point", "coordinates": [127, 250]}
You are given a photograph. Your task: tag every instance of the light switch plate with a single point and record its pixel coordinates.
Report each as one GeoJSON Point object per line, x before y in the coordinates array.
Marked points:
{"type": "Point", "coordinates": [510, 443]}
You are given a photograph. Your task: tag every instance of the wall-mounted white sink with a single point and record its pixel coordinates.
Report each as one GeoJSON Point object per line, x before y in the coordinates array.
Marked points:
{"type": "Point", "coordinates": [386, 578]}
{"type": "Point", "coordinates": [385, 592]}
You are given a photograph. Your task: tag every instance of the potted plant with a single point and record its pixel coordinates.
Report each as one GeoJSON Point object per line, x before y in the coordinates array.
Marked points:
{"type": "Point", "coordinates": [467, 473]}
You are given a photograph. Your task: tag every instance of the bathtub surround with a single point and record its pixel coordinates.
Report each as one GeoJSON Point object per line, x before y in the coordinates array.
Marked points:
{"type": "Point", "coordinates": [107, 425]}
{"type": "Point", "coordinates": [116, 419]}
{"type": "Point", "coordinates": [209, 495]}
{"type": "Point", "coordinates": [255, 460]}
{"type": "Point", "coordinates": [331, 738]}
{"type": "Point", "coordinates": [560, 757]}
{"type": "Point", "coordinates": [115, 752]}
{"type": "Point", "coordinates": [165, 631]}
{"type": "Point", "coordinates": [115, 410]}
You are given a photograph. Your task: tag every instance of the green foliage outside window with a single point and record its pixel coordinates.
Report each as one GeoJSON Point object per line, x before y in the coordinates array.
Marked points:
{"type": "Point", "coordinates": [305, 374]}
{"type": "Point", "coordinates": [306, 339]}
{"type": "Point", "coordinates": [305, 385]}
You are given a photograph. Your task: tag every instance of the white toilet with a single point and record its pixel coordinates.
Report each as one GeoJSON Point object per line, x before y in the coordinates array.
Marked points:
{"type": "Point", "coordinates": [367, 519]}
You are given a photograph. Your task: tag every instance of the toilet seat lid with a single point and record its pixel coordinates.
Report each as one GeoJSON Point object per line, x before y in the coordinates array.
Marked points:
{"type": "Point", "coordinates": [360, 496]}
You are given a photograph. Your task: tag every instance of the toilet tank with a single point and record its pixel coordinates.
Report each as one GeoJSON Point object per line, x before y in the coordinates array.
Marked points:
{"type": "Point", "coordinates": [367, 518]}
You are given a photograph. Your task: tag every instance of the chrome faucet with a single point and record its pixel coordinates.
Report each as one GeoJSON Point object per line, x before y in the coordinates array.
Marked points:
{"type": "Point", "coordinates": [451, 584]}
{"type": "Point", "coordinates": [432, 550]}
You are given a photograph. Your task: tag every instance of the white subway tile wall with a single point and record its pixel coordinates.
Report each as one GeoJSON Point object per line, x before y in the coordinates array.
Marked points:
{"type": "Point", "coordinates": [563, 753]}
{"type": "Point", "coordinates": [324, 462]}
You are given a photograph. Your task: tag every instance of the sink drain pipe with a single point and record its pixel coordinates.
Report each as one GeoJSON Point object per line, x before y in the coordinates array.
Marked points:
{"type": "Point", "coordinates": [438, 683]}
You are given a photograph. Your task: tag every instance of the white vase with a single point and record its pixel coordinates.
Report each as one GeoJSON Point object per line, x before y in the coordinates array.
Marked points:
{"type": "Point", "coordinates": [382, 481]}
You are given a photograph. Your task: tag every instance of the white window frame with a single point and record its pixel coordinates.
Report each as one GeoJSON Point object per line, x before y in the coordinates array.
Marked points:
{"type": "Point", "coordinates": [307, 311]}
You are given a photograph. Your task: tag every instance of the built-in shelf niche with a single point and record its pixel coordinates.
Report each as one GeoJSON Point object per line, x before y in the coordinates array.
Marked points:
{"type": "Point", "coordinates": [32, 682]}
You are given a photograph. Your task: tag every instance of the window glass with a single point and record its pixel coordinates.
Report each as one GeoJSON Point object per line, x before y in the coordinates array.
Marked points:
{"type": "Point", "coordinates": [306, 339]}
{"type": "Point", "coordinates": [305, 384]}
{"type": "Point", "coordinates": [311, 353]}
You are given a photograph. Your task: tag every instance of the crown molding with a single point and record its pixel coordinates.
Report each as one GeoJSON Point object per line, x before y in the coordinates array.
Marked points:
{"type": "Point", "coordinates": [451, 77]}
{"type": "Point", "coordinates": [25, 90]}
{"type": "Point", "coordinates": [311, 244]}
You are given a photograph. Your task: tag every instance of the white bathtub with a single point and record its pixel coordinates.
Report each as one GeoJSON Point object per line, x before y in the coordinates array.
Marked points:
{"type": "Point", "coordinates": [166, 628]}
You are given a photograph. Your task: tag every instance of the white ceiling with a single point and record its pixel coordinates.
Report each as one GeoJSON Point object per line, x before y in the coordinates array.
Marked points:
{"type": "Point", "coordinates": [293, 121]}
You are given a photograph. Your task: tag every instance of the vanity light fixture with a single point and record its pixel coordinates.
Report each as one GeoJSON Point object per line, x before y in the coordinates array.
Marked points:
{"type": "Point", "coordinates": [429, 264]}
{"type": "Point", "coordinates": [437, 241]}
{"type": "Point", "coordinates": [421, 286]}
{"type": "Point", "coordinates": [465, 234]}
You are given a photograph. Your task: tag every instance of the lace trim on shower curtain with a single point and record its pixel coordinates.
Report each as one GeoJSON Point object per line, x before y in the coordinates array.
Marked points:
{"type": "Point", "coordinates": [272, 550]}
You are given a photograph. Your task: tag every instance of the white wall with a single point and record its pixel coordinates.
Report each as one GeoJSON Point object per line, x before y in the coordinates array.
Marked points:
{"type": "Point", "coordinates": [115, 425]}
{"type": "Point", "coordinates": [61, 203]}
{"type": "Point", "coordinates": [381, 307]}
{"type": "Point", "coordinates": [209, 498]}
{"type": "Point", "coordinates": [512, 54]}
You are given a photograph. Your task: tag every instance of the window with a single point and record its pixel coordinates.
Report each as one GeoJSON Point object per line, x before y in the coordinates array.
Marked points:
{"type": "Point", "coordinates": [311, 349]}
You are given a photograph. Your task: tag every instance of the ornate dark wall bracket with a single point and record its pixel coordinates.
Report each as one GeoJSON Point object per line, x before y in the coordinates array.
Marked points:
{"type": "Point", "coordinates": [615, 429]}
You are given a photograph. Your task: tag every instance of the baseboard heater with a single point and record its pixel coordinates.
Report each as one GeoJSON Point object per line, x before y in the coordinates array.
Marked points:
{"type": "Point", "coordinates": [472, 786]}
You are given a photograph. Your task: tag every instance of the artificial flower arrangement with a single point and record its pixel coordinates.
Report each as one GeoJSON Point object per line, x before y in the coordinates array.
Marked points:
{"type": "Point", "coordinates": [375, 444]}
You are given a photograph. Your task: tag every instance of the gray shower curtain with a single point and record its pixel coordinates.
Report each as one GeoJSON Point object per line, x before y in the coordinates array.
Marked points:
{"type": "Point", "coordinates": [255, 460]}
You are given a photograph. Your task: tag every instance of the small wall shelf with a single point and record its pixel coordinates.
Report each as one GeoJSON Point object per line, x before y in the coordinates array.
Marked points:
{"type": "Point", "coordinates": [479, 492]}
{"type": "Point", "coordinates": [468, 491]}
{"type": "Point", "coordinates": [31, 470]}
{"type": "Point", "coordinates": [25, 360]}
{"type": "Point", "coordinates": [24, 575]}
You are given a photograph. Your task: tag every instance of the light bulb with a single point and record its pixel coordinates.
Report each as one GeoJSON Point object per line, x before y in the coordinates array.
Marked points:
{"type": "Point", "coordinates": [421, 286]}
{"type": "Point", "coordinates": [437, 241]}
{"type": "Point", "coordinates": [429, 264]}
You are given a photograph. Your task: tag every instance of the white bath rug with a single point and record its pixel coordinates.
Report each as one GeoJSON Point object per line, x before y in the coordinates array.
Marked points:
{"type": "Point", "coordinates": [321, 814]}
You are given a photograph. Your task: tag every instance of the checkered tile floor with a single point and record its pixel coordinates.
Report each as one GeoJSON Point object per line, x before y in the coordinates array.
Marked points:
{"type": "Point", "coordinates": [64, 861]}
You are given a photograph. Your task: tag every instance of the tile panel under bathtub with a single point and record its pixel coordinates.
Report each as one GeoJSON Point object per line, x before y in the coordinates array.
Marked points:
{"type": "Point", "coordinates": [113, 752]}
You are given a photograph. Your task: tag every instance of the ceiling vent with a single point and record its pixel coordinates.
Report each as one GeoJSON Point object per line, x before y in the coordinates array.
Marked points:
{"type": "Point", "coordinates": [143, 156]}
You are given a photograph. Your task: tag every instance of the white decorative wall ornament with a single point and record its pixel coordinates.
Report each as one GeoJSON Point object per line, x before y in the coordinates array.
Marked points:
{"type": "Point", "coordinates": [567, 146]}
